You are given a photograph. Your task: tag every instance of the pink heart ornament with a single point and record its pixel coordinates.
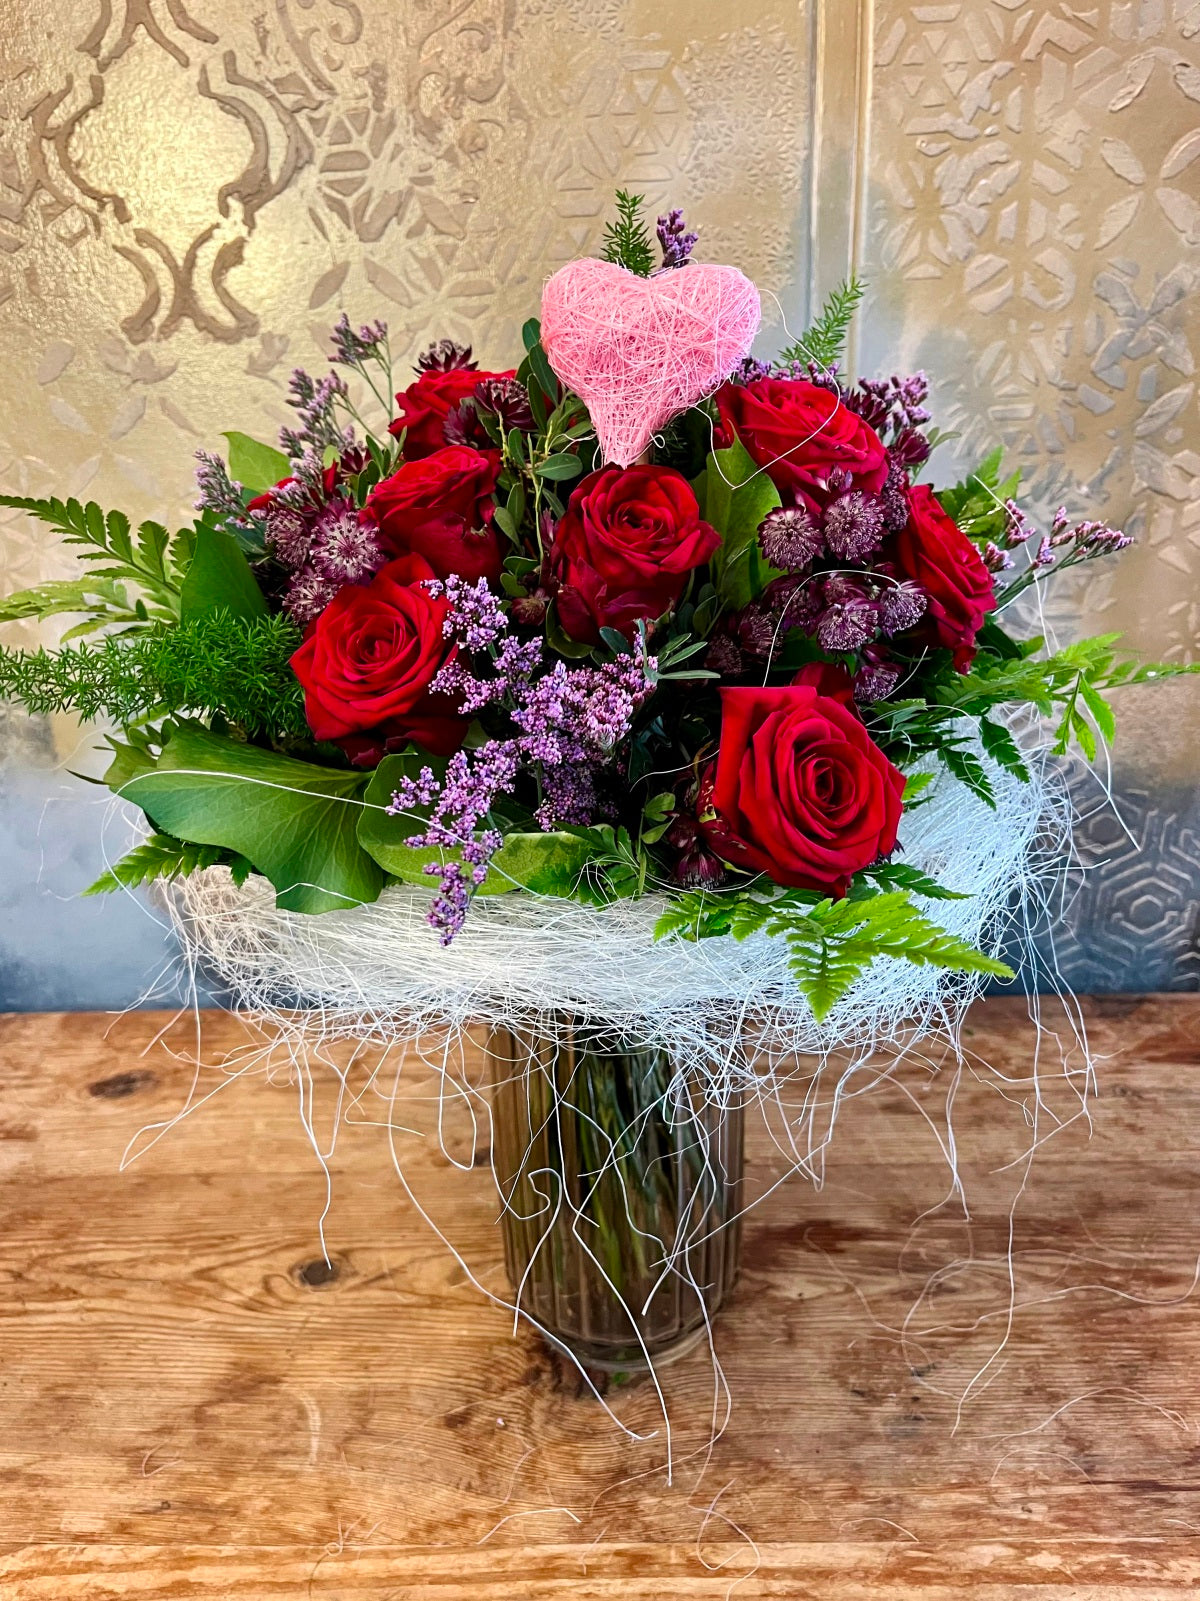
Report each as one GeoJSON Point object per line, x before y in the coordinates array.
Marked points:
{"type": "Point", "coordinates": [637, 351]}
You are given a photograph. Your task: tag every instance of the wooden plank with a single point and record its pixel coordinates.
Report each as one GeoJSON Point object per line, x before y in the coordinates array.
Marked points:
{"type": "Point", "coordinates": [193, 1404]}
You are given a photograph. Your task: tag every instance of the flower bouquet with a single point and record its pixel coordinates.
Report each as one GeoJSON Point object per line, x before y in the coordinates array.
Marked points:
{"type": "Point", "coordinates": [643, 704]}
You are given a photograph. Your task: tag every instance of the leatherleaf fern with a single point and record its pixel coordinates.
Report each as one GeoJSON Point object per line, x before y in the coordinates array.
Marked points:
{"type": "Point", "coordinates": [832, 943]}
{"type": "Point", "coordinates": [212, 665]}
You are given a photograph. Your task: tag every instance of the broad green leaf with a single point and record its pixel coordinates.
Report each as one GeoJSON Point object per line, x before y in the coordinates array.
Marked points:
{"type": "Point", "coordinates": [295, 822]}
{"type": "Point", "coordinates": [219, 579]}
{"type": "Point", "coordinates": [254, 465]}
{"type": "Point", "coordinates": [737, 496]}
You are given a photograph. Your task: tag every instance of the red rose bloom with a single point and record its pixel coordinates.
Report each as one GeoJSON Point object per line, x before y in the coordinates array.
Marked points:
{"type": "Point", "coordinates": [441, 508]}
{"type": "Point", "coordinates": [798, 433]}
{"type": "Point", "coordinates": [425, 405]}
{"type": "Point", "coordinates": [370, 657]}
{"type": "Point", "coordinates": [932, 550]}
{"type": "Point", "coordinates": [801, 791]}
{"type": "Point", "coordinates": [624, 549]}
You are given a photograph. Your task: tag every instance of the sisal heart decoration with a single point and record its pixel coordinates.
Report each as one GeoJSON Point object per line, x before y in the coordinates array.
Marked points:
{"type": "Point", "coordinates": [637, 351]}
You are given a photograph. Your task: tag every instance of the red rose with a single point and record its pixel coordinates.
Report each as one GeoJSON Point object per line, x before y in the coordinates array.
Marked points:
{"type": "Point", "coordinates": [932, 550]}
{"type": "Point", "coordinates": [801, 791]}
{"type": "Point", "coordinates": [425, 405]}
{"type": "Point", "coordinates": [370, 657]}
{"type": "Point", "coordinates": [441, 508]}
{"type": "Point", "coordinates": [798, 433]}
{"type": "Point", "coordinates": [624, 549]}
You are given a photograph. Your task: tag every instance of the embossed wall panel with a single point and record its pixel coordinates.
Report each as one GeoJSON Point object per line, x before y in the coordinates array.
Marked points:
{"type": "Point", "coordinates": [1031, 230]}
{"type": "Point", "coordinates": [190, 191]}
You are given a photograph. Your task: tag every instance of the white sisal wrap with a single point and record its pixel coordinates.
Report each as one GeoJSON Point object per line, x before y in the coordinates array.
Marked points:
{"type": "Point", "coordinates": [377, 973]}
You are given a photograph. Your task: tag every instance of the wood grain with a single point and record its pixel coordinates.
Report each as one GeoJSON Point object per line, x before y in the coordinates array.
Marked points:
{"type": "Point", "coordinates": [194, 1403]}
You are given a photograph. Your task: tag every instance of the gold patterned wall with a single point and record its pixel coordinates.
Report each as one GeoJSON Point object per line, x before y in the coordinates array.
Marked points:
{"type": "Point", "coordinates": [190, 191]}
{"type": "Point", "coordinates": [1030, 224]}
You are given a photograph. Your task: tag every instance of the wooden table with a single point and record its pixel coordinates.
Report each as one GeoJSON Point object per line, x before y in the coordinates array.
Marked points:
{"type": "Point", "coordinates": [192, 1403]}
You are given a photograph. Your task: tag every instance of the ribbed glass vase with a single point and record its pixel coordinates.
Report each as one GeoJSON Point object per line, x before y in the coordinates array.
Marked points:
{"type": "Point", "coordinates": [621, 1207]}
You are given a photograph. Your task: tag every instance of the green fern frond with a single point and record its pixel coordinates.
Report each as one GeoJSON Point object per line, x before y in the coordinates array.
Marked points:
{"type": "Point", "coordinates": [163, 856]}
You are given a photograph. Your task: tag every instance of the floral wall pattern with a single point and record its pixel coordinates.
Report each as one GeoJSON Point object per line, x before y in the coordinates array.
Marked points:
{"type": "Point", "coordinates": [190, 191]}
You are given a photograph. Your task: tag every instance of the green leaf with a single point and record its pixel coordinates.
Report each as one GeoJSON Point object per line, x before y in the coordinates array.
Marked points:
{"type": "Point", "coordinates": [254, 465]}
{"type": "Point", "coordinates": [219, 579]}
{"type": "Point", "coordinates": [160, 856]}
{"type": "Point", "coordinates": [737, 496]}
{"type": "Point", "coordinates": [915, 784]}
{"type": "Point", "coordinates": [560, 466]}
{"type": "Point", "coordinates": [295, 822]}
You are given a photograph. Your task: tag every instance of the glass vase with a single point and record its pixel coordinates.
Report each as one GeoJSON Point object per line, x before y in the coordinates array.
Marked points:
{"type": "Point", "coordinates": [621, 1189]}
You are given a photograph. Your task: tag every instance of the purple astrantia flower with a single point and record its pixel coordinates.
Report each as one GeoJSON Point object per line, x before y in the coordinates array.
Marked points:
{"type": "Point", "coordinates": [444, 355]}
{"type": "Point", "coordinates": [676, 242]}
{"type": "Point", "coordinates": [344, 547]}
{"type": "Point", "coordinates": [723, 656]}
{"type": "Point", "coordinates": [289, 535]}
{"type": "Point", "coordinates": [308, 594]}
{"type": "Point", "coordinates": [901, 605]}
{"type": "Point", "coordinates": [790, 538]}
{"type": "Point", "coordinates": [509, 399]}
{"type": "Point", "coordinates": [853, 525]}
{"type": "Point", "coordinates": [877, 678]}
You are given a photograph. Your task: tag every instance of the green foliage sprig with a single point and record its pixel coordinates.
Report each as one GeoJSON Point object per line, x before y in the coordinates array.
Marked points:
{"type": "Point", "coordinates": [116, 553]}
{"type": "Point", "coordinates": [825, 342]}
{"type": "Point", "coordinates": [214, 665]}
{"type": "Point", "coordinates": [831, 943]}
{"type": "Point", "coordinates": [627, 241]}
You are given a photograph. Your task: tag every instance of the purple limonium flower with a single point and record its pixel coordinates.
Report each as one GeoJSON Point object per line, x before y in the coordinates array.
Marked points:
{"type": "Point", "coordinates": [1017, 527]}
{"type": "Point", "coordinates": [352, 349]}
{"type": "Point", "coordinates": [315, 401]}
{"type": "Point", "coordinates": [1098, 539]}
{"type": "Point", "coordinates": [853, 525]}
{"type": "Point", "coordinates": [995, 559]}
{"type": "Point", "coordinates": [790, 538]}
{"type": "Point", "coordinates": [893, 498]}
{"type": "Point", "coordinates": [216, 491]}
{"type": "Point", "coordinates": [476, 616]}
{"type": "Point", "coordinates": [676, 242]}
